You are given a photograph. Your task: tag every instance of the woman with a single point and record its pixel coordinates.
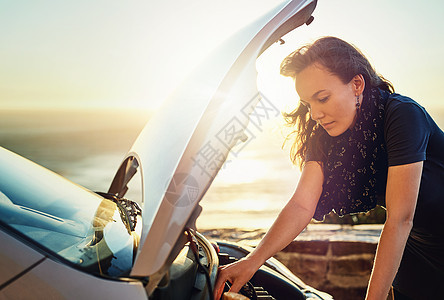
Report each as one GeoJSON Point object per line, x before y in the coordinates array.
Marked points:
{"type": "Point", "coordinates": [360, 144]}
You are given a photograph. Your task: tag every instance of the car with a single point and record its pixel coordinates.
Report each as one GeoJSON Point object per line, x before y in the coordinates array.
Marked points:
{"type": "Point", "coordinates": [138, 240]}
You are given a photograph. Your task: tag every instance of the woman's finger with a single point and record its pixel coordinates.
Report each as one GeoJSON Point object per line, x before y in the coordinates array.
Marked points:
{"type": "Point", "coordinates": [236, 286]}
{"type": "Point", "coordinates": [220, 283]}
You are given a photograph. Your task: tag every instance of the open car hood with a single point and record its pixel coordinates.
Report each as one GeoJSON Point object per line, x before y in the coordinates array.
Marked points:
{"type": "Point", "coordinates": [181, 149]}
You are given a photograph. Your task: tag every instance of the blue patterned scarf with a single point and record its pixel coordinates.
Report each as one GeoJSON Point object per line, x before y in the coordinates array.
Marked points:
{"type": "Point", "coordinates": [355, 164]}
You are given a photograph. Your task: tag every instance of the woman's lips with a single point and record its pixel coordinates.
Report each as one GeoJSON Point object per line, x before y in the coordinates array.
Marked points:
{"type": "Point", "coordinates": [327, 125]}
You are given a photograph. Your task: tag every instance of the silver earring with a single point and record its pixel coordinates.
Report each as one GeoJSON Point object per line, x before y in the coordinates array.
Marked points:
{"type": "Point", "coordinates": [357, 103]}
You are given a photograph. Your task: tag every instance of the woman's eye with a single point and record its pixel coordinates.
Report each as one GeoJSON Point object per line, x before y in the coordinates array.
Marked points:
{"type": "Point", "coordinates": [322, 100]}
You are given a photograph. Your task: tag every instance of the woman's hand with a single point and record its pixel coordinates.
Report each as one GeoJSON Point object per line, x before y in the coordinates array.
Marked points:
{"type": "Point", "coordinates": [237, 273]}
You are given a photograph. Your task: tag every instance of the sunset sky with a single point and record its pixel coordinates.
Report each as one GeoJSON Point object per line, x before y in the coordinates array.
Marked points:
{"type": "Point", "coordinates": [96, 54]}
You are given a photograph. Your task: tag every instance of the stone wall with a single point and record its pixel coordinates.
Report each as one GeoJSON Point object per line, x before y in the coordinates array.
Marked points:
{"type": "Point", "coordinates": [341, 268]}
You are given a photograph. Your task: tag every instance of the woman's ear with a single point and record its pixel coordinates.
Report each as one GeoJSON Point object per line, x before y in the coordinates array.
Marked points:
{"type": "Point", "coordinates": [358, 83]}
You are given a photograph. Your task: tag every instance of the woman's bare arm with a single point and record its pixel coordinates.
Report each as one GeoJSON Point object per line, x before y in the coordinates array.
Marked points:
{"type": "Point", "coordinates": [402, 192]}
{"type": "Point", "coordinates": [293, 218]}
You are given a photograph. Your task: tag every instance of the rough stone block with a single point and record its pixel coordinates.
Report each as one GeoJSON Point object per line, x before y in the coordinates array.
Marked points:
{"type": "Point", "coordinates": [345, 293]}
{"type": "Point", "coordinates": [348, 281]}
{"type": "Point", "coordinates": [313, 280]}
{"type": "Point", "coordinates": [313, 265]}
{"type": "Point", "coordinates": [312, 270]}
{"type": "Point", "coordinates": [290, 260]}
{"type": "Point", "coordinates": [350, 247]}
{"type": "Point", "coordinates": [351, 266]}
{"type": "Point", "coordinates": [308, 247]}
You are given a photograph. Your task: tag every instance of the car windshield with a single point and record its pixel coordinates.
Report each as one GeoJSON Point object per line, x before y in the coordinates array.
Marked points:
{"type": "Point", "coordinates": [69, 221]}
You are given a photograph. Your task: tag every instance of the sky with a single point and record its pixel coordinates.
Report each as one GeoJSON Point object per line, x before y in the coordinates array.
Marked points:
{"type": "Point", "coordinates": [130, 54]}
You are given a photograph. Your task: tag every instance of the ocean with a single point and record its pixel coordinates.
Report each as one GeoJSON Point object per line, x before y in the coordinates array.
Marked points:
{"type": "Point", "coordinates": [87, 147]}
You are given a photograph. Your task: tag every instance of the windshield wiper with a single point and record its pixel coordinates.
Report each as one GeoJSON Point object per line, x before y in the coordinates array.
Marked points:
{"type": "Point", "coordinates": [129, 210]}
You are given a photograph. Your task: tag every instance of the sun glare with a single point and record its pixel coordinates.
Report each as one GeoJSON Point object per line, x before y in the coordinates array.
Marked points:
{"type": "Point", "coordinates": [242, 171]}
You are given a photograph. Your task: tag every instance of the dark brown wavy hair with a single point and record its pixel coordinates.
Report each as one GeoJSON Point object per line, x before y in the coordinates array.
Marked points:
{"type": "Point", "coordinates": [339, 58]}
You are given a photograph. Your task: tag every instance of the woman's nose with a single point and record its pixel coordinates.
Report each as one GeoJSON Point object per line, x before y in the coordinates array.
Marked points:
{"type": "Point", "coordinates": [315, 113]}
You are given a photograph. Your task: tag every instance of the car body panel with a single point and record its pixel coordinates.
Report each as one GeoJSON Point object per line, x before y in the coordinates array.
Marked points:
{"type": "Point", "coordinates": [27, 274]}
{"type": "Point", "coordinates": [15, 258]}
{"type": "Point", "coordinates": [52, 280]}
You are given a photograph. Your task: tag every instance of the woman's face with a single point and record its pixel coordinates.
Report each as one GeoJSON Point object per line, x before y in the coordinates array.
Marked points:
{"type": "Point", "coordinates": [331, 103]}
